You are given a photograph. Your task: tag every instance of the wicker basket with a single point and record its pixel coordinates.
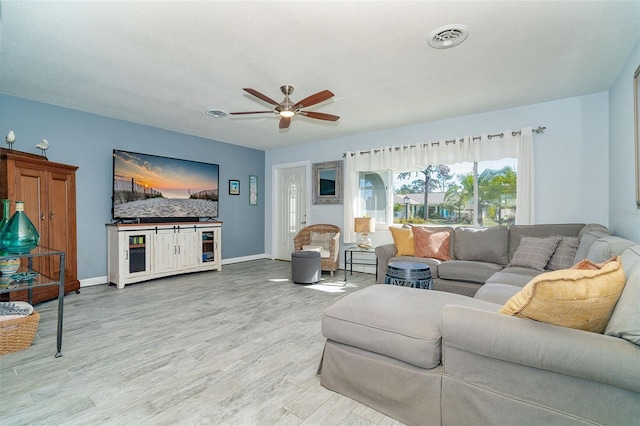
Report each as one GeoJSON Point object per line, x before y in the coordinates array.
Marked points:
{"type": "Point", "coordinates": [17, 334]}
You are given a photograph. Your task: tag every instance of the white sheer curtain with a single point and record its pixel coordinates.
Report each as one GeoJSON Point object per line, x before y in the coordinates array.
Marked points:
{"type": "Point", "coordinates": [486, 147]}
{"type": "Point", "coordinates": [525, 186]}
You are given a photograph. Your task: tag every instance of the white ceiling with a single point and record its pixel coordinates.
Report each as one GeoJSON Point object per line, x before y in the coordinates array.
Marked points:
{"type": "Point", "coordinates": [164, 64]}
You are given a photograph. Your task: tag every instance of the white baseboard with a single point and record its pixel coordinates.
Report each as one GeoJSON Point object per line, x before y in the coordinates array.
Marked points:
{"type": "Point", "coordinates": [88, 282]}
{"type": "Point", "coordinates": [244, 259]}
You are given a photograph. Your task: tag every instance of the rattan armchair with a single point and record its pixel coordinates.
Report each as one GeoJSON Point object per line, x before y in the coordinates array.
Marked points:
{"type": "Point", "coordinates": [303, 238]}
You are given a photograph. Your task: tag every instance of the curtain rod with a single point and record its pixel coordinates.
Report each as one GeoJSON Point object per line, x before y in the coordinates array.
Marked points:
{"type": "Point", "coordinates": [540, 129]}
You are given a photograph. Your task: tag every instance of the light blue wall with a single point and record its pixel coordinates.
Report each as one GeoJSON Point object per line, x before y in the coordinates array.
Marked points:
{"type": "Point", "coordinates": [580, 176]}
{"type": "Point", "coordinates": [624, 214]}
{"type": "Point", "coordinates": [87, 140]}
{"type": "Point", "coordinates": [571, 157]}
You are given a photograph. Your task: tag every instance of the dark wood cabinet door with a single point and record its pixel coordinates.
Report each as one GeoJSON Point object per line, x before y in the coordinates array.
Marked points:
{"type": "Point", "coordinates": [60, 218]}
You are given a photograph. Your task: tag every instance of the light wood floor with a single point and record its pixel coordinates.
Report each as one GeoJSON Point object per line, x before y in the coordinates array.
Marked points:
{"type": "Point", "coordinates": [237, 347]}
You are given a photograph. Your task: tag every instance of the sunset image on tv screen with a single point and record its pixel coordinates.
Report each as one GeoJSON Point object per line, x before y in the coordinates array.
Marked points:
{"type": "Point", "coordinates": [151, 186]}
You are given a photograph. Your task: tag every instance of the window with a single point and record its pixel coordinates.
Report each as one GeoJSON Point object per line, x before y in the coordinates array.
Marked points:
{"type": "Point", "coordinates": [373, 196]}
{"type": "Point", "coordinates": [481, 193]}
{"type": "Point", "coordinates": [293, 208]}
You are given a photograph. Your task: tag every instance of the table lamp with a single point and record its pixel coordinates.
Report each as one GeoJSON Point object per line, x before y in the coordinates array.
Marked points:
{"type": "Point", "coordinates": [363, 226]}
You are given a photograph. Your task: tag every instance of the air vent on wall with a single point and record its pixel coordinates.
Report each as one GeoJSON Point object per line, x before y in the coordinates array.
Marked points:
{"type": "Point", "coordinates": [448, 36]}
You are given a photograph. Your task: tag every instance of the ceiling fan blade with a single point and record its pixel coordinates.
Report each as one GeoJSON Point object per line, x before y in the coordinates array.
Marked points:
{"type": "Point", "coordinates": [261, 96]}
{"type": "Point", "coordinates": [314, 99]}
{"type": "Point", "coordinates": [284, 122]}
{"type": "Point", "coordinates": [319, 115]}
{"type": "Point", "coordinates": [251, 112]}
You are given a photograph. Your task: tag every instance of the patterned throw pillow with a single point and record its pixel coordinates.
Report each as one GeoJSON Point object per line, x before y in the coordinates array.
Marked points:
{"type": "Point", "coordinates": [403, 238]}
{"type": "Point", "coordinates": [534, 253]}
{"type": "Point", "coordinates": [430, 243]}
{"type": "Point", "coordinates": [322, 239]}
{"type": "Point", "coordinates": [565, 252]}
{"type": "Point", "coordinates": [576, 298]}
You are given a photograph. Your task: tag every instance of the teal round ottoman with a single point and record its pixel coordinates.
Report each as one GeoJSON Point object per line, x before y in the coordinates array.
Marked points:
{"type": "Point", "coordinates": [409, 274]}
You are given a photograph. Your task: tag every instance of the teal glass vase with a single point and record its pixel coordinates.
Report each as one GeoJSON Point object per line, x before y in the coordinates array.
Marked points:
{"type": "Point", "coordinates": [19, 235]}
{"type": "Point", "coordinates": [5, 216]}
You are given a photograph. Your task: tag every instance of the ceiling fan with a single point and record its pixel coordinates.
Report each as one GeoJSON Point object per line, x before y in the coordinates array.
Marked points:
{"type": "Point", "coordinates": [287, 109]}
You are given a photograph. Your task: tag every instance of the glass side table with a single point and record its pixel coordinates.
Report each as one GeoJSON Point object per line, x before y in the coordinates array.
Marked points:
{"type": "Point", "coordinates": [362, 257]}
{"type": "Point", "coordinates": [29, 277]}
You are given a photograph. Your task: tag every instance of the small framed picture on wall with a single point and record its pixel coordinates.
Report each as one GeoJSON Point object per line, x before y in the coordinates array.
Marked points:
{"type": "Point", "coordinates": [234, 187]}
{"type": "Point", "coordinates": [253, 190]}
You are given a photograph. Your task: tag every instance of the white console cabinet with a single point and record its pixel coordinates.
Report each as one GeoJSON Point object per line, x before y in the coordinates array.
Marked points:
{"type": "Point", "coordinates": [143, 251]}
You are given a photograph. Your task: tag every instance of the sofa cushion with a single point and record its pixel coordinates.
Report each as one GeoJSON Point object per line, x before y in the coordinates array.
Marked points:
{"type": "Point", "coordinates": [403, 239]}
{"type": "Point", "coordinates": [625, 319]}
{"type": "Point", "coordinates": [516, 232]}
{"type": "Point", "coordinates": [534, 252]}
{"type": "Point", "coordinates": [482, 244]}
{"type": "Point", "coordinates": [513, 275]}
{"type": "Point", "coordinates": [576, 298]}
{"type": "Point", "coordinates": [594, 227]}
{"type": "Point", "coordinates": [431, 243]}
{"type": "Point", "coordinates": [607, 247]}
{"type": "Point", "coordinates": [399, 322]}
{"type": "Point", "coordinates": [497, 293]}
{"type": "Point", "coordinates": [589, 235]}
{"type": "Point", "coordinates": [466, 270]}
{"type": "Point", "coordinates": [565, 253]}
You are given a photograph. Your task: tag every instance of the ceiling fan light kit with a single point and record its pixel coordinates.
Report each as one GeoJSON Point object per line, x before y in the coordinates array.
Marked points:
{"type": "Point", "coordinates": [287, 109]}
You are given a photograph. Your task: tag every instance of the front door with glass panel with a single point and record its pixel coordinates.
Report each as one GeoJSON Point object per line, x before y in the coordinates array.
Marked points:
{"type": "Point", "coordinates": [292, 209]}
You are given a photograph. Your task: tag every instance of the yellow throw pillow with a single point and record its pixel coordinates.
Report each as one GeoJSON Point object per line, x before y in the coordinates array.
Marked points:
{"type": "Point", "coordinates": [403, 238]}
{"type": "Point", "coordinates": [576, 298]}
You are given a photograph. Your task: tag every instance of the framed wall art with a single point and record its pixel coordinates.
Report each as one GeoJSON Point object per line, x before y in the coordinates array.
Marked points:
{"type": "Point", "coordinates": [253, 190]}
{"type": "Point", "coordinates": [327, 182]}
{"type": "Point", "coordinates": [234, 187]}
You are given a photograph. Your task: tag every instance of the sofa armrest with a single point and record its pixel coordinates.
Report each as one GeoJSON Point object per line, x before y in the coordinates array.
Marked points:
{"type": "Point", "coordinates": [562, 350]}
{"type": "Point", "coordinates": [383, 254]}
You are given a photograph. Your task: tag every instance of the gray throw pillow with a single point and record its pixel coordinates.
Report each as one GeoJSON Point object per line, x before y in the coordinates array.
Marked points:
{"type": "Point", "coordinates": [534, 253]}
{"type": "Point", "coordinates": [565, 252]}
{"type": "Point", "coordinates": [482, 244]}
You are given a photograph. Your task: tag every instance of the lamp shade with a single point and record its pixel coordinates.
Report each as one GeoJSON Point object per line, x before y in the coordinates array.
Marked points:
{"type": "Point", "coordinates": [365, 225]}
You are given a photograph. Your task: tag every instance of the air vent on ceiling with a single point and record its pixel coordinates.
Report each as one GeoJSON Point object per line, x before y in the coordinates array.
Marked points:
{"type": "Point", "coordinates": [448, 36]}
{"type": "Point", "coordinates": [216, 114]}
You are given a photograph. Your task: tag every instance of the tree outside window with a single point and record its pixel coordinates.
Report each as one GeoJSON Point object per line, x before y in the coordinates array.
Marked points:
{"type": "Point", "coordinates": [449, 192]}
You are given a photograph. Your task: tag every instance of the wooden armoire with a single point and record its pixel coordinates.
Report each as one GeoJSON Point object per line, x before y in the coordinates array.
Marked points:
{"type": "Point", "coordinates": [48, 190]}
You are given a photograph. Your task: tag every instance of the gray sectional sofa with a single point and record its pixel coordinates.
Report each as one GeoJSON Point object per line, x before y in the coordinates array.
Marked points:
{"type": "Point", "coordinates": [439, 358]}
{"type": "Point", "coordinates": [480, 255]}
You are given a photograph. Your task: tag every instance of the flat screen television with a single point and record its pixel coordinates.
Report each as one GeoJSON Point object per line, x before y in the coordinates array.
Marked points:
{"type": "Point", "coordinates": [151, 188]}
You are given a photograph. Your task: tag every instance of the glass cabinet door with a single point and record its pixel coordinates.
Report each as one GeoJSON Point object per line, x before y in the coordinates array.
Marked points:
{"type": "Point", "coordinates": [208, 245]}
{"type": "Point", "coordinates": [137, 252]}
